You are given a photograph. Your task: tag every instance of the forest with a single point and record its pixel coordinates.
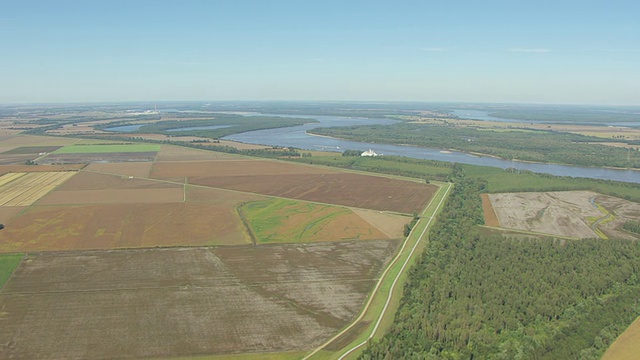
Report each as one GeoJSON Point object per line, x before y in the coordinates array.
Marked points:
{"type": "Point", "coordinates": [538, 146]}
{"type": "Point", "coordinates": [472, 296]}
{"type": "Point", "coordinates": [232, 124]}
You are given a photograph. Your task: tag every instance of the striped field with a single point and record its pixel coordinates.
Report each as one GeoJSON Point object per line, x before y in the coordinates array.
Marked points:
{"type": "Point", "coordinates": [23, 189]}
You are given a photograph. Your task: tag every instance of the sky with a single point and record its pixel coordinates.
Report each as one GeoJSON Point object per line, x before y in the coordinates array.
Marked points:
{"type": "Point", "coordinates": [573, 52]}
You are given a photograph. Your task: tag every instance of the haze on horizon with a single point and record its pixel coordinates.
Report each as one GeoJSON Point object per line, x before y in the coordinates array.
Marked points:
{"type": "Point", "coordinates": [575, 52]}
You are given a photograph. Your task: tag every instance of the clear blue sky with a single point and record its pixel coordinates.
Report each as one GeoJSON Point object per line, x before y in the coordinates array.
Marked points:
{"type": "Point", "coordinates": [584, 52]}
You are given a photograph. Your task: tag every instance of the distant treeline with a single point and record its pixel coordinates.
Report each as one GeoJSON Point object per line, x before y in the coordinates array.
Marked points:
{"type": "Point", "coordinates": [235, 124]}
{"type": "Point", "coordinates": [538, 146]}
{"type": "Point", "coordinates": [471, 296]}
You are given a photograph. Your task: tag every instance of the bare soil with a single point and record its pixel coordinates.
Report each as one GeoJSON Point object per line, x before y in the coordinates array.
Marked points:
{"type": "Point", "coordinates": [181, 302]}
{"type": "Point", "coordinates": [490, 217]}
{"type": "Point", "coordinates": [565, 213]}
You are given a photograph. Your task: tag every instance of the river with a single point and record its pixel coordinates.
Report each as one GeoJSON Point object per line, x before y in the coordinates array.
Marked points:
{"type": "Point", "coordinates": [297, 136]}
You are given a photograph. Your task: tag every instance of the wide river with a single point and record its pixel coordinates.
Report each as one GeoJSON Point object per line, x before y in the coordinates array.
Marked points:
{"type": "Point", "coordinates": [297, 137]}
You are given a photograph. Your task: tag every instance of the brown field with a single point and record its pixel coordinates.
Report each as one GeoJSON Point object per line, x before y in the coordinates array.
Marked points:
{"type": "Point", "coordinates": [86, 180]}
{"type": "Point", "coordinates": [39, 168]}
{"type": "Point", "coordinates": [8, 212]}
{"type": "Point", "coordinates": [178, 153]}
{"type": "Point", "coordinates": [235, 167]}
{"type": "Point", "coordinates": [180, 302]}
{"type": "Point", "coordinates": [123, 196]}
{"type": "Point", "coordinates": [23, 189]}
{"type": "Point", "coordinates": [101, 157]}
{"type": "Point", "coordinates": [135, 169]}
{"type": "Point", "coordinates": [348, 189]}
{"type": "Point", "coordinates": [564, 213]}
{"type": "Point", "coordinates": [46, 228]}
{"type": "Point", "coordinates": [627, 345]}
{"type": "Point", "coordinates": [490, 217]}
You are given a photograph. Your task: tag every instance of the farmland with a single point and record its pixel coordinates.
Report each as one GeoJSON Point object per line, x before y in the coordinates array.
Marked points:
{"type": "Point", "coordinates": [156, 244]}
{"type": "Point", "coordinates": [107, 148]}
{"type": "Point", "coordinates": [280, 220]}
{"type": "Point", "coordinates": [22, 189]}
{"type": "Point", "coordinates": [180, 302]}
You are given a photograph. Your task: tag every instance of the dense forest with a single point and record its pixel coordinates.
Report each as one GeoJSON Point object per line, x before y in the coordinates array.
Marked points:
{"type": "Point", "coordinates": [471, 296]}
{"type": "Point", "coordinates": [539, 146]}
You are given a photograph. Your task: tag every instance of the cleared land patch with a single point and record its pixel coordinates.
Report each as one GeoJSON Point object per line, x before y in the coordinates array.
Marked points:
{"type": "Point", "coordinates": [348, 189]}
{"type": "Point", "coordinates": [281, 220]}
{"type": "Point", "coordinates": [23, 189]}
{"type": "Point", "coordinates": [181, 302]}
{"type": "Point", "coordinates": [579, 214]}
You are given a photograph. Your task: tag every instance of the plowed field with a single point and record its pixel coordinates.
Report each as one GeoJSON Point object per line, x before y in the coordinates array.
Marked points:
{"type": "Point", "coordinates": [181, 302]}
{"type": "Point", "coordinates": [226, 168]}
{"type": "Point", "coordinates": [123, 226]}
{"type": "Point", "coordinates": [369, 192]}
{"type": "Point", "coordinates": [94, 181]}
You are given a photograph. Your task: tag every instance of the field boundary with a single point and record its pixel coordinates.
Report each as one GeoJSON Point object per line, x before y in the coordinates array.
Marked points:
{"type": "Point", "coordinates": [429, 213]}
{"type": "Point", "coordinates": [245, 222]}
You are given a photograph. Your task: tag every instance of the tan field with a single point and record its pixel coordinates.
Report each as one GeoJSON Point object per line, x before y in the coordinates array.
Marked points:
{"type": "Point", "coordinates": [627, 345]}
{"type": "Point", "coordinates": [23, 189]}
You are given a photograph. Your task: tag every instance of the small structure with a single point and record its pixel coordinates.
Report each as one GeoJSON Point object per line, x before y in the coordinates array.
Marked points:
{"type": "Point", "coordinates": [369, 153]}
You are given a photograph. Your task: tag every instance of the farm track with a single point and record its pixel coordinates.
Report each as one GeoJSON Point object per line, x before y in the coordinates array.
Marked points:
{"type": "Point", "coordinates": [26, 189]}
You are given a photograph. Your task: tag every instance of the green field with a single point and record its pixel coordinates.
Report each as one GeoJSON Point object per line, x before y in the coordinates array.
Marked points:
{"type": "Point", "coordinates": [103, 149]}
{"type": "Point", "coordinates": [8, 264]}
{"type": "Point", "coordinates": [282, 220]}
